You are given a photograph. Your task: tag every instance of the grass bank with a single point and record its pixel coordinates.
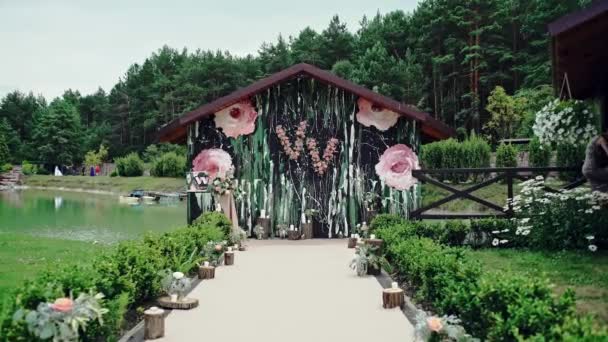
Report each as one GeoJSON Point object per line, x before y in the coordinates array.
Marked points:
{"type": "Point", "coordinates": [584, 272]}
{"type": "Point", "coordinates": [22, 256]}
{"type": "Point", "coordinates": [105, 183]}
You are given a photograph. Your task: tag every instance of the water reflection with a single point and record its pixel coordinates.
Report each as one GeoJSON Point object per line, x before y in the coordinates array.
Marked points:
{"type": "Point", "coordinates": [84, 216]}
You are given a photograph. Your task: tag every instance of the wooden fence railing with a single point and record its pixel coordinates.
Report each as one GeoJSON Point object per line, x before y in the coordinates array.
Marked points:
{"type": "Point", "coordinates": [508, 174]}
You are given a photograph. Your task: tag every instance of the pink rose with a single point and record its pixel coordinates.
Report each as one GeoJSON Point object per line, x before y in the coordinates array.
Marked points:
{"type": "Point", "coordinates": [371, 115]}
{"type": "Point", "coordinates": [215, 162]}
{"type": "Point", "coordinates": [434, 324]}
{"type": "Point", "coordinates": [396, 165]}
{"type": "Point", "coordinates": [63, 305]}
{"type": "Point", "coordinates": [237, 120]}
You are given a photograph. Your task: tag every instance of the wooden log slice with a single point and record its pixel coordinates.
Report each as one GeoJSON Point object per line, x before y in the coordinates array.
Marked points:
{"type": "Point", "coordinates": [206, 272]}
{"type": "Point", "coordinates": [265, 223]}
{"type": "Point", "coordinates": [154, 323]}
{"type": "Point", "coordinates": [293, 235]}
{"type": "Point", "coordinates": [229, 258]}
{"type": "Point", "coordinates": [374, 242]}
{"type": "Point", "coordinates": [180, 304]}
{"type": "Point", "coordinates": [352, 242]}
{"type": "Point", "coordinates": [307, 230]}
{"type": "Point", "coordinates": [242, 248]}
{"type": "Point", "coordinates": [392, 298]}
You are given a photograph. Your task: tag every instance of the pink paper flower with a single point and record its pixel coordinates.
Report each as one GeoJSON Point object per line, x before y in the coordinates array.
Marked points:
{"type": "Point", "coordinates": [237, 120]}
{"type": "Point", "coordinates": [63, 305]}
{"type": "Point", "coordinates": [372, 115]}
{"type": "Point", "coordinates": [396, 165]}
{"type": "Point", "coordinates": [434, 324]}
{"type": "Point", "coordinates": [215, 162]}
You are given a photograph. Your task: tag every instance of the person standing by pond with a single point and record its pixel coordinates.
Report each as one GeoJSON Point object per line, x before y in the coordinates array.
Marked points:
{"type": "Point", "coordinates": [595, 168]}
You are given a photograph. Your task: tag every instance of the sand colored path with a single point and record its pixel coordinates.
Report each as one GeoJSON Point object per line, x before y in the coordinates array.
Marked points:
{"type": "Point", "coordinates": [289, 291]}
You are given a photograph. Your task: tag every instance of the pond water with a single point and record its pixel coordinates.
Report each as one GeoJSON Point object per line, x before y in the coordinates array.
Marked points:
{"type": "Point", "coordinates": [84, 216]}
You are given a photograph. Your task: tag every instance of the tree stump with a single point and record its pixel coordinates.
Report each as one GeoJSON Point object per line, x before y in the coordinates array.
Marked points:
{"type": "Point", "coordinates": [181, 304]}
{"type": "Point", "coordinates": [307, 230]}
{"type": "Point", "coordinates": [154, 323]}
{"type": "Point", "coordinates": [206, 272]}
{"type": "Point", "coordinates": [242, 248]}
{"type": "Point", "coordinates": [392, 298]}
{"type": "Point", "coordinates": [229, 258]}
{"type": "Point", "coordinates": [374, 242]}
{"type": "Point", "coordinates": [293, 234]}
{"type": "Point", "coordinates": [264, 223]}
{"type": "Point", "coordinates": [352, 242]}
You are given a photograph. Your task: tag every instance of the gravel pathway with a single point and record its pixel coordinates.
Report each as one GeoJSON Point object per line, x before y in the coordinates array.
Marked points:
{"type": "Point", "coordinates": [289, 291]}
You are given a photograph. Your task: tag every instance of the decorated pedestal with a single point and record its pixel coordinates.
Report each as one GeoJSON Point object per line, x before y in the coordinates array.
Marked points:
{"type": "Point", "coordinates": [154, 323]}
{"type": "Point", "coordinates": [293, 235]}
{"type": "Point", "coordinates": [206, 272]}
{"type": "Point", "coordinates": [264, 222]}
{"type": "Point", "coordinates": [393, 297]}
{"type": "Point", "coordinates": [307, 230]}
{"type": "Point", "coordinates": [180, 304]}
{"type": "Point", "coordinates": [229, 258]}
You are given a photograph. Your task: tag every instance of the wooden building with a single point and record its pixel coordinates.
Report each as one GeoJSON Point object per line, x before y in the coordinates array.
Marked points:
{"type": "Point", "coordinates": [580, 52]}
{"type": "Point", "coordinates": [304, 141]}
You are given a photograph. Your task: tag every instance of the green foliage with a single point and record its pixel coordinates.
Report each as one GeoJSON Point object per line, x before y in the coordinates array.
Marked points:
{"type": "Point", "coordinates": [214, 219]}
{"type": "Point", "coordinates": [28, 168]}
{"type": "Point", "coordinates": [570, 155]}
{"type": "Point", "coordinates": [154, 151]}
{"type": "Point", "coordinates": [114, 173]}
{"type": "Point", "coordinates": [57, 134]}
{"type": "Point", "coordinates": [130, 165]}
{"type": "Point", "coordinates": [128, 275]}
{"type": "Point", "coordinates": [169, 165]}
{"type": "Point", "coordinates": [94, 158]}
{"type": "Point", "coordinates": [529, 101]}
{"type": "Point", "coordinates": [506, 155]}
{"type": "Point", "coordinates": [344, 69]}
{"type": "Point", "coordinates": [504, 114]}
{"type": "Point", "coordinates": [4, 152]}
{"type": "Point", "coordinates": [539, 155]}
{"type": "Point", "coordinates": [482, 230]}
{"type": "Point", "coordinates": [474, 152]}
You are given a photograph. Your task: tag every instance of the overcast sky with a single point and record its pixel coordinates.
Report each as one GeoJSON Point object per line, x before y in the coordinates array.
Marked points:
{"type": "Point", "coordinates": [49, 46]}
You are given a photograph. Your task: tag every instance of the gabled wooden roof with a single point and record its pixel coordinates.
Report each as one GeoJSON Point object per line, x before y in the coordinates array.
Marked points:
{"type": "Point", "coordinates": [431, 128]}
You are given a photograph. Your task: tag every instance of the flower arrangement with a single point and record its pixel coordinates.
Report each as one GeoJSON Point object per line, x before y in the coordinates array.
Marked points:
{"type": "Point", "coordinates": [570, 122]}
{"type": "Point", "coordinates": [321, 165]}
{"type": "Point", "coordinates": [292, 152]}
{"type": "Point", "coordinates": [238, 238]}
{"type": "Point", "coordinates": [557, 220]}
{"type": "Point", "coordinates": [224, 185]}
{"type": "Point", "coordinates": [446, 328]}
{"type": "Point", "coordinates": [214, 251]}
{"type": "Point", "coordinates": [366, 258]}
{"type": "Point", "coordinates": [282, 230]}
{"type": "Point", "coordinates": [175, 284]}
{"type": "Point", "coordinates": [259, 231]}
{"type": "Point", "coordinates": [63, 319]}
{"type": "Point", "coordinates": [370, 199]}
{"type": "Point", "coordinates": [395, 167]}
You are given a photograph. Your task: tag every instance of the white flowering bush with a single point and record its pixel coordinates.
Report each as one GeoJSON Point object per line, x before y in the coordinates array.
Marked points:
{"type": "Point", "coordinates": [570, 122]}
{"type": "Point", "coordinates": [565, 219]}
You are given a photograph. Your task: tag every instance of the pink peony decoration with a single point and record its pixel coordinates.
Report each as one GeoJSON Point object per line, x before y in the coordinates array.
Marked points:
{"type": "Point", "coordinates": [237, 120]}
{"type": "Point", "coordinates": [62, 305]}
{"type": "Point", "coordinates": [215, 162]}
{"type": "Point", "coordinates": [372, 115]}
{"type": "Point", "coordinates": [396, 165]}
{"type": "Point", "coordinates": [434, 324]}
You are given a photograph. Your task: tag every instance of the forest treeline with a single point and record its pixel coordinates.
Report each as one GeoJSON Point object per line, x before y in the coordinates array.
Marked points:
{"type": "Point", "coordinates": [445, 57]}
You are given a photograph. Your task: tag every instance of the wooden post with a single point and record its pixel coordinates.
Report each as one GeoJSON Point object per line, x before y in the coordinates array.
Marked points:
{"type": "Point", "coordinates": [392, 298]}
{"type": "Point", "coordinates": [352, 242]}
{"type": "Point", "coordinates": [265, 223]}
{"type": "Point", "coordinates": [293, 234]}
{"type": "Point", "coordinates": [307, 230]}
{"type": "Point", "coordinates": [154, 323]}
{"type": "Point", "coordinates": [229, 258]}
{"type": "Point", "coordinates": [206, 272]}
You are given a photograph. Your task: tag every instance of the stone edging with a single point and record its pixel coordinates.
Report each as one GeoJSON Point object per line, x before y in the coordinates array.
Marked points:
{"type": "Point", "coordinates": [409, 310]}
{"type": "Point", "coordinates": [136, 334]}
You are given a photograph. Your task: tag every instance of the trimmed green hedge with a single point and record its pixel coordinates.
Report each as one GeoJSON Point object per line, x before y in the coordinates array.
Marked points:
{"type": "Point", "coordinates": [169, 165]}
{"type": "Point", "coordinates": [127, 275]}
{"type": "Point", "coordinates": [492, 306]}
{"type": "Point", "coordinates": [130, 165]}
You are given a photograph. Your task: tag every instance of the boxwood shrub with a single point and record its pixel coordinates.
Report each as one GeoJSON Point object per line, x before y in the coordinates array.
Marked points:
{"type": "Point", "coordinates": [128, 276]}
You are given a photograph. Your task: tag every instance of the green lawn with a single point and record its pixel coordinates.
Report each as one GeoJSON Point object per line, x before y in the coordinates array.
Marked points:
{"type": "Point", "coordinates": [105, 183]}
{"type": "Point", "coordinates": [22, 256]}
{"type": "Point", "coordinates": [585, 272]}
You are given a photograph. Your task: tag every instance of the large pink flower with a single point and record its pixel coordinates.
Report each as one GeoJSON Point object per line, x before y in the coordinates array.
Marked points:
{"type": "Point", "coordinates": [236, 120]}
{"type": "Point", "coordinates": [63, 305]}
{"type": "Point", "coordinates": [214, 161]}
{"type": "Point", "coordinates": [396, 165]}
{"type": "Point", "coordinates": [371, 115]}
